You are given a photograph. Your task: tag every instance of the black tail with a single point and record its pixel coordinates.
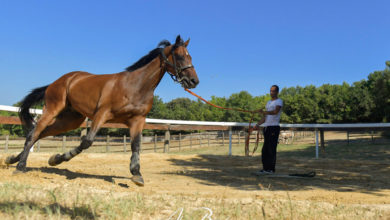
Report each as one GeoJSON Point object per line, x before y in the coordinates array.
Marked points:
{"type": "Point", "coordinates": [34, 97]}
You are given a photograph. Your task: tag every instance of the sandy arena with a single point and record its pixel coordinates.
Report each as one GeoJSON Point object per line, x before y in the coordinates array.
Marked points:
{"type": "Point", "coordinates": [350, 183]}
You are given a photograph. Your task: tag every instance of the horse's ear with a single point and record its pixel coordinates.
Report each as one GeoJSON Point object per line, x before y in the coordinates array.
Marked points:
{"type": "Point", "coordinates": [187, 42]}
{"type": "Point", "coordinates": [178, 40]}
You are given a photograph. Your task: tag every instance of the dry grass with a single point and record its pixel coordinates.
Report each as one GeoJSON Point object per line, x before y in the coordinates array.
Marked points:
{"type": "Point", "coordinates": [19, 201]}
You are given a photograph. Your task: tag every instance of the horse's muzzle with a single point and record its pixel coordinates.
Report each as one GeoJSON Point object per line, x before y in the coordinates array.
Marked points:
{"type": "Point", "coordinates": [189, 83]}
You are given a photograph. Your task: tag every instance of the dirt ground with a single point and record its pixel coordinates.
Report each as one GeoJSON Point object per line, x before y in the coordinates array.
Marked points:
{"type": "Point", "coordinates": [346, 182]}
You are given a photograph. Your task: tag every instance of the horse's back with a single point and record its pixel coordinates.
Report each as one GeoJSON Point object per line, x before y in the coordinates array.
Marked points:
{"type": "Point", "coordinates": [86, 92]}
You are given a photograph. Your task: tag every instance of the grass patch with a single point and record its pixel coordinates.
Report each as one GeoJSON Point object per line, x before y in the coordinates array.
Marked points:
{"type": "Point", "coordinates": [18, 201]}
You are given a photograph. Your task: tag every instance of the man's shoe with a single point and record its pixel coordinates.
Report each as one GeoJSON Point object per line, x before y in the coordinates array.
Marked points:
{"type": "Point", "coordinates": [263, 172]}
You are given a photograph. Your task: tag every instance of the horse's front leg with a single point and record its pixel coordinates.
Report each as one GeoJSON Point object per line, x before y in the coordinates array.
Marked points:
{"type": "Point", "coordinates": [135, 161]}
{"type": "Point", "coordinates": [136, 127]}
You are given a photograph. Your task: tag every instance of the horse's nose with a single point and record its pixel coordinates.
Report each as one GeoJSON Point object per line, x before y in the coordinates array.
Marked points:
{"type": "Point", "coordinates": [194, 81]}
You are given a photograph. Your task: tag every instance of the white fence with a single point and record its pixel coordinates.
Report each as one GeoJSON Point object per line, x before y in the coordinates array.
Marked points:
{"type": "Point", "coordinates": [316, 127]}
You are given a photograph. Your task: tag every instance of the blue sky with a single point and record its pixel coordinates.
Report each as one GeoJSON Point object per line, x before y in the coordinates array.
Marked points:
{"type": "Point", "coordinates": [235, 45]}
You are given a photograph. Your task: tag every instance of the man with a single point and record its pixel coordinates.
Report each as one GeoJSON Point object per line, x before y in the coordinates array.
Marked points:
{"type": "Point", "coordinates": [271, 131]}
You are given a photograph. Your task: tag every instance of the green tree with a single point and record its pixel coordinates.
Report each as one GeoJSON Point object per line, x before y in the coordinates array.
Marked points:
{"type": "Point", "coordinates": [242, 100]}
{"type": "Point", "coordinates": [360, 102]}
{"type": "Point", "coordinates": [300, 104]}
{"type": "Point", "coordinates": [213, 113]}
{"type": "Point", "coordinates": [379, 86]}
{"type": "Point", "coordinates": [159, 109]}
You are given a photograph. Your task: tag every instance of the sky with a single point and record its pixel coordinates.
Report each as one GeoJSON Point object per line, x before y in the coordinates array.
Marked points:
{"type": "Point", "coordinates": [235, 45]}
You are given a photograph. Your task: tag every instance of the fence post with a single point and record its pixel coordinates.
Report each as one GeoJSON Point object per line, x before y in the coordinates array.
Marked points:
{"type": "Point", "coordinates": [372, 136]}
{"type": "Point", "coordinates": [6, 143]}
{"type": "Point", "coordinates": [63, 143]}
{"type": "Point", "coordinates": [108, 143]}
{"type": "Point", "coordinates": [200, 139]}
{"type": "Point", "coordinates": [292, 136]}
{"type": "Point", "coordinates": [190, 140]}
{"type": "Point", "coordinates": [230, 141]}
{"type": "Point", "coordinates": [239, 137]}
{"type": "Point", "coordinates": [316, 139]}
{"type": "Point", "coordinates": [322, 139]}
{"type": "Point", "coordinates": [223, 138]}
{"type": "Point", "coordinates": [208, 139]}
{"type": "Point", "coordinates": [166, 141]}
{"type": "Point", "coordinates": [348, 137]}
{"type": "Point", "coordinates": [179, 141]}
{"type": "Point", "coordinates": [124, 143]}
{"type": "Point", "coordinates": [155, 142]}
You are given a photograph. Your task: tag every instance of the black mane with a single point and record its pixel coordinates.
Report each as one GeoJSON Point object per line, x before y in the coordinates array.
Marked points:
{"type": "Point", "coordinates": [149, 57]}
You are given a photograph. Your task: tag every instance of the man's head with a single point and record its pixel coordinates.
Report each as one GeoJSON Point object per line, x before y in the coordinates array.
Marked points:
{"type": "Point", "coordinates": [274, 91]}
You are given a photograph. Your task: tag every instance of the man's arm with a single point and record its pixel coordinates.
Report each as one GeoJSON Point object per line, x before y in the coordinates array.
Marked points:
{"type": "Point", "coordinates": [274, 112]}
{"type": "Point", "coordinates": [260, 122]}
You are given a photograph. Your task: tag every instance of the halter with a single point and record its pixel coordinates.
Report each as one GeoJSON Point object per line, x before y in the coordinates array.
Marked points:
{"type": "Point", "coordinates": [178, 69]}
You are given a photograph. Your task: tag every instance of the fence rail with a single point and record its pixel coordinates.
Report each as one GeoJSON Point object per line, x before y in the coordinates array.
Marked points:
{"type": "Point", "coordinates": [156, 143]}
{"type": "Point", "coordinates": [227, 129]}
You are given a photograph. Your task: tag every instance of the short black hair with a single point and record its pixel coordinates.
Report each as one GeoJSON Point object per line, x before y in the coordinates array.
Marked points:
{"type": "Point", "coordinates": [277, 87]}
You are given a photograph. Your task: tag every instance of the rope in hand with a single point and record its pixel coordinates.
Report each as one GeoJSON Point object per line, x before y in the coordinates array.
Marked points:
{"type": "Point", "coordinates": [250, 129]}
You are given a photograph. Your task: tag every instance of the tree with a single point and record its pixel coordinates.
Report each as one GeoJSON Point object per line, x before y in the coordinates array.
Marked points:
{"type": "Point", "coordinates": [379, 86]}
{"type": "Point", "coordinates": [159, 109]}
{"type": "Point", "coordinates": [242, 100]}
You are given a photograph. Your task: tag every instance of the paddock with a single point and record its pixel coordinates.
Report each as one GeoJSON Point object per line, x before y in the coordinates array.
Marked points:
{"type": "Point", "coordinates": [351, 183]}
{"type": "Point", "coordinates": [353, 172]}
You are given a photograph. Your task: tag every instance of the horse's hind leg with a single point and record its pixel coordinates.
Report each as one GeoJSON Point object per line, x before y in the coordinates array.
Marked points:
{"type": "Point", "coordinates": [86, 142]}
{"type": "Point", "coordinates": [65, 121]}
{"type": "Point", "coordinates": [12, 159]}
{"type": "Point", "coordinates": [32, 137]}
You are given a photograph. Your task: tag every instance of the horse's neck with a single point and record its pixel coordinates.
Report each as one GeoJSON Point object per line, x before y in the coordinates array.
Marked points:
{"type": "Point", "coordinates": [149, 76]}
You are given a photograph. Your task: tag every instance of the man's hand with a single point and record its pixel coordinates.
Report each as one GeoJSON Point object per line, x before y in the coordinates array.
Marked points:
{"type": "Point", "coordinates": [257, 126]}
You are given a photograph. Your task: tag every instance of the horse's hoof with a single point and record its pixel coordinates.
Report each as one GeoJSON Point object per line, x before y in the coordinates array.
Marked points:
{"type": "Point", "coordinates": [55, 160]}
{"type": "Point", "coordinates": [19, 171]}
{"type": "Point", "coordinates": [9, 160]}
{"type": "Point", "coordinates": [138, 180]}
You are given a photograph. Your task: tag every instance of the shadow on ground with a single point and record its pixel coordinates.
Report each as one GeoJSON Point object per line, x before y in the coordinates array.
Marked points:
{"type": "Point", "coordinates": [70, 175]}
{"type": "Point", "coordinates": [363, 168]}
{"type": "Point", "coordinates": [76, 212]}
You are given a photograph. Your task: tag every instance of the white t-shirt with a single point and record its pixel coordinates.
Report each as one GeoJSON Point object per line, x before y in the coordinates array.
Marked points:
{"type": "Point", "coordinates": [273, 120]}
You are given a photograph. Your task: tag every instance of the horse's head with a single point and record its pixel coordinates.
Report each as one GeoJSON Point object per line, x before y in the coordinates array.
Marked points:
{"type": "Point", "coordinates": [179, 64]}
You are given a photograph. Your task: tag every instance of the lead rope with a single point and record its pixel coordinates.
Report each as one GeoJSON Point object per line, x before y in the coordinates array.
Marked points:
{"type": "Point", "coordinates": [250, 129]}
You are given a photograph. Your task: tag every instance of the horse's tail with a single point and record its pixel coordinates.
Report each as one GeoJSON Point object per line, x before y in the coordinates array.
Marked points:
{"type": "Point", "coordinates": [37, 95]}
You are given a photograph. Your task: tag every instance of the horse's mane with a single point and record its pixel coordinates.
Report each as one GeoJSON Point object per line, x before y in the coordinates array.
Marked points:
{"type": "Point", "coordinates": [149, 57]}
{"type": "Point", "coordinates": [154, 53]}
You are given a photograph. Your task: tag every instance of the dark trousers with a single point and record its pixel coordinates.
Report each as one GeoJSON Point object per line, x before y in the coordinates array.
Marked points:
{"type": "Point", "coordinates": [268, 153]}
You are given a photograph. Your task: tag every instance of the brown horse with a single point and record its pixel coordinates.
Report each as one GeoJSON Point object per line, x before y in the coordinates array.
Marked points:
{"type": "Point", "coordinates": [124, 97]}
